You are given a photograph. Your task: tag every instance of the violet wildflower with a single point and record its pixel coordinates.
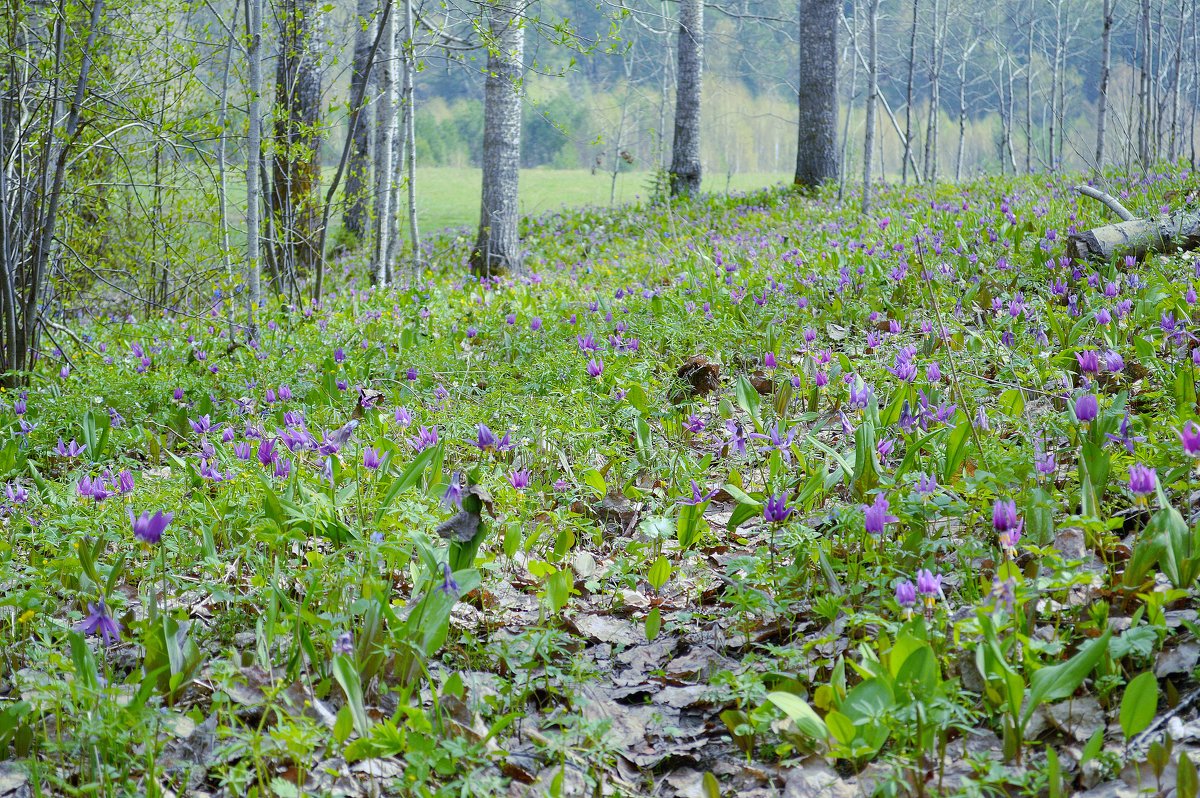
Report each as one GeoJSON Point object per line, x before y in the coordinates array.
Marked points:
{"type": "Point", "coordinates": [266, 451]}
{"type": "Point", "coordinates": [595, 367]}
{"type": "Point", "coordinates": [778, 441]}
{"type": "Point", "coordinates": [201, 425]}
{"type": "Point", "coordinates": [776, 510]}
{"type": "Point", "coordinates": [344, 645]}
{"type": "Point", "coordinates": [876, 516]}
{"type": "Point", "coordinates": [520, 479]}
{"type": "Point", "coordinates": [927, 485]}
{"type": "Point", "coordinates": [906, 596]}
{"type": "Point", "coordinates": [1189, 436]}
{"type": "Point", "coordinates": [1124, 435]}
{"type": "Point", "coordinates": [149, 528]}
{"type": "Point", "coordinates": [371, 458]}
{"type": "Point", "coordinates": [448, 585]}
{"type": "Point", "coordinates": [242, 451]}
{"type": "Point", "coordinates": [1008, 525]}
{"type": "Point", "coordinates": [99, 622]}
{"type": "Point", "coordinates": [283, 468]}
{"type": "Point", "coordinates": [426, 437]}
{"type": "Point", "coordinates": [929, 585]}
{"type": "Point", "coordinates": [1086, 408]}
{"type": "Point", "coordinates": [1089, 361]}
{"type": "Point", "coordinates": [402, 416]}
{"type": "Point", "coordinates": [485, 439]}
{"type": "Point", "coordinates": [124, 482]}
{"type": "Point", "coordinates": [1142, 482]}
{"type": "Point", "coordinates": [694, 424]}
{"type": "Point", "coordinates": [453, 496]}
{"type": "Point", "coordinates": [698, 497]}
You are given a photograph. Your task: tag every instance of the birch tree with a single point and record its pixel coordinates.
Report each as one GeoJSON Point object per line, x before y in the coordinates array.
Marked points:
{"type": "Point", "coordinates": [685, 169]}
{"type": "Point", "coordinates": [816, 151]}
{"type": "Point", "coordinates": [497, 245]}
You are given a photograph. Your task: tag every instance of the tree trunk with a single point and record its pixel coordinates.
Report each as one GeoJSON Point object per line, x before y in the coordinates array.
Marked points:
{"type": "Point", "coordinates": [685, 149]}
{"type": "Point", "coordinates": [816, 152]}
{"type": "Point", "coordinates": [1105, 69]}
{"type": "Point", "coordinates": [297, 168]}
{"type": "Point", "coordinates": [1144, 100]}
{"type": "Point", "coordinates": [1029, 93]}
{"type": "Point", "coordinates": [253, 154]}
{"type": "Point", "coordinates": [1177, 79]}
{"type": "Point", "coordinates": [358, 167]}
{"type": "Point", "coordinates": [410, 133]}
{"type": "Point", "coordinates": [497, 247]}
{"type": "Point", "coordinates": [936, 50]}
{"type": "Point", "coordinates": [385, 153]}
{"type": "Point", "coordinates": [908, 91]}
{"type": "Point", "coordinates": [872, 97]}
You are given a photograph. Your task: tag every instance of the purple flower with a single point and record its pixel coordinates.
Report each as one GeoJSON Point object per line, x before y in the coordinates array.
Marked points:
{"type": "Point", "coordinates": [403, 417]}
{"type": "Point", "coordinates": [1190, 437]}
{"type": "Point", "coordinates": [149, 528]}
{"type": "Point", "coordinates": [371, 458]}
{"type": "Point", "coordinates": [1089, 361]}
{"type": "Point", "coordinates": [210, 472]}
{"type": "Point", "coordinates": [99, 622]}
{"type": "Point", "coordinates": [266, 451]}
{"type": "Point", "coordinates": [776, 510]}
{"type": "Point", "coordinates": [694, 424]}
{"type": "Point", "coordinates": [927, 484]}
{"type": "Point", "coordinates": [1113, 361]}
{"type": "Point", "coordinates": [453, 496]}
{"type": "Point", "coordinates": [344, 645]}
{"type": "Point", "coordinates": [283, 467]}
{"type": "Point", "coordinates": [697, 496]}
{"type": "Point", "coordinates": [860, 395]}
{"type": "Point", "coordinates": [933, 372]}
{"type": "Point", "coordinates": [595, 367]}
{"type": "Point", "coordinates": [769, 360]}
{"type": "Point", "coordinates": [72, 450]}
{"type": "Point", "coordinates": [738, 439]}
{"type": "Point", "coordinates": [1124, 437]}
{"type": "Point", "coordinates": [426, 437]}
{"type": "Point", "coordinates": [125, 481]}
{"type": "Point", "coordinates": [906, 594]}
{"type": "Point", "coordinates": [779, 441]}
{"type": "Point", "coordinates": [519, 479]}
{"type": "Point", "coordinates": [201, 425]}
{"type": "Point", "coordinates": [1086, 408]}
{"type": "Point", "coordinates": [448, 585]}
{"type": "Point", "coordinates": [1142, 480]}
{"type": "Point", "coordinates": [485, 439]}
{"type": "Point", "coordinates": [876, 516]}
{"type": "Point", "coordinates": [929, 585]}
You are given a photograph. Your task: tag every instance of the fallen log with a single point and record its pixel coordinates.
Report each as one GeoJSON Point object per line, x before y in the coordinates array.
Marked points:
{"type": "Point", "coordinates": [1175, 232]}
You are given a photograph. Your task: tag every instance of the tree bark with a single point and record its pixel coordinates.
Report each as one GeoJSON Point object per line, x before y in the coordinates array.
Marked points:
{"type": "Point", "coordinates": [497, 246]}
{"type": "Point", "coordinates": [817, 152]}
{"type": "Point", "coordinates": [410, 133]}
{"type": "Point", "coordinates": [1105, 69]}
{"type": "Point", "coordinates": [685, 169]}
{"type": "Point", "coordinates": [297, 167]}
{"type": "Point", "coordinates": [253, 154]}
{"type": "Point", "coordinates": [872, 97]}
{"type": "Point", "coordinates": [385, 153]}
{"type": "Point", "coordinates": [358, 167]}
{"type": "Point", "coordinates": [908, 92]}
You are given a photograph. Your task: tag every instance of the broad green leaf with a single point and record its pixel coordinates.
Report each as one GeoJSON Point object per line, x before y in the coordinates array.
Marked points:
{"type": "Point", "coordinates": [806, 720]}
{"type": "Point", "coordinates": [1139, 704]}
{"type": "Point", "coordinates": [1056, 682]}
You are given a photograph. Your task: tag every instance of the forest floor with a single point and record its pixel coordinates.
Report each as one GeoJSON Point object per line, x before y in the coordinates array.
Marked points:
{"type": "Point", "coordinates": [754, 496]}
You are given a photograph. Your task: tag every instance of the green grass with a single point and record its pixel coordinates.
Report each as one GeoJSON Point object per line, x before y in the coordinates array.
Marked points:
{"type": "Point", "coordinates": [449, 197]}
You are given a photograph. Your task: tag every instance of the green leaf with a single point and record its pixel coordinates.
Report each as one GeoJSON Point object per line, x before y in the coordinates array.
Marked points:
{"type": "Point", "coordinates": [747, 399]}
{"type": "Point", "coordinates": [595, 480]}
{"type": "Point", "coordinates": [653, 624]}
{"type": "Point", "coordinates": [411, 476]}
{"type": "Point", "coordinates": [1139, 704]}
{"type": "Point", "coordinates": [1186, 783]}
{"type": "Point", "coordinates": [1056, 682]}
{"type": "Point", "coordinates": [660, 573]}
{"type": "Point", "coordinates": [347, 676]}
{"type": "Point", "coordinates": [841, 727]}
{"type": "Point", "coordinates": [800, 713]}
